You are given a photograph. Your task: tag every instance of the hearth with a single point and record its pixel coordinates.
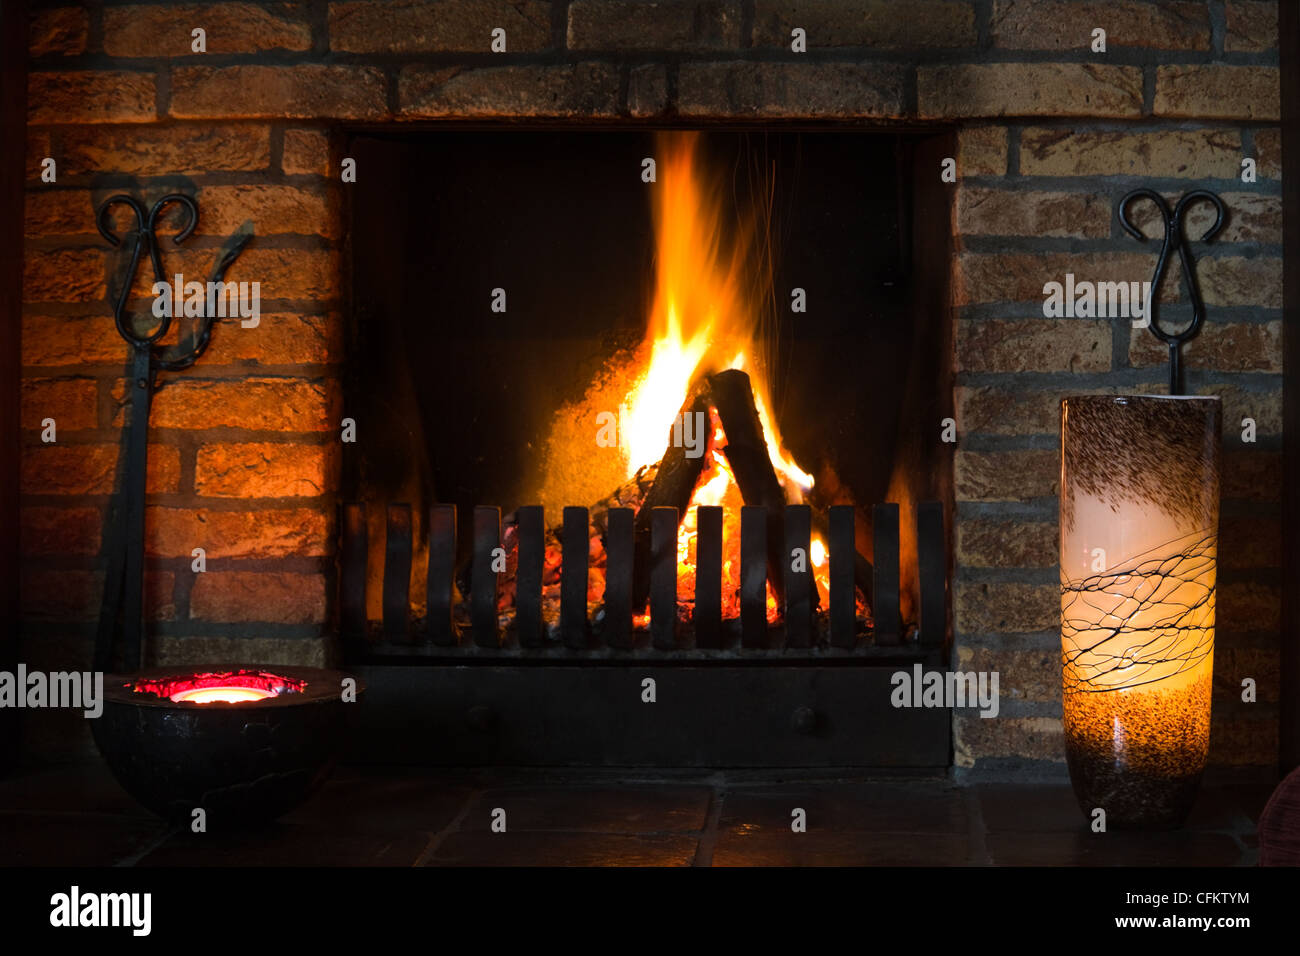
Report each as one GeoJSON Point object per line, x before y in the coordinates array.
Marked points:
{"type": "Point", "coordinates": [646, 398]}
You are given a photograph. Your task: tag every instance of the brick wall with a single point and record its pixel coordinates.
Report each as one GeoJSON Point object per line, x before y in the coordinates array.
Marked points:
{"type": "Point", "coordinates": [244, 458]}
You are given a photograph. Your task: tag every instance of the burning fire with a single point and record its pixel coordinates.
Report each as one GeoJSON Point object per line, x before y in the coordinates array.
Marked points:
{"type": "Point", "coordinates": [705, 318]}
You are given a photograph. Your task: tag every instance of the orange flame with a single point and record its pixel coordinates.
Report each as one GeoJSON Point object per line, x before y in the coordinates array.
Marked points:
{"type": "Point", "coordinates": [705, 317]}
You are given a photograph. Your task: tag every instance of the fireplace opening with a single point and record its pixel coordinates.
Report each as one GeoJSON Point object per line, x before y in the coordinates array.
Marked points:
{"type": "Point", "coordinates": [715, 350]}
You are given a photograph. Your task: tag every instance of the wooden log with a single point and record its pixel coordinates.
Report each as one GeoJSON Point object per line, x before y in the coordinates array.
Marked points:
{"type": "Point", "coordinates": [673, 486]}
{"type": "Point", "coordinates": [747, 453]}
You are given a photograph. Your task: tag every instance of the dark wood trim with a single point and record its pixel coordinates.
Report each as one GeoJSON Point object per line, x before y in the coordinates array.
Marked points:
{"type": "Point", "coordinates": [13, 160]}
{"type": "Point", "coordinates": [1289, 718]}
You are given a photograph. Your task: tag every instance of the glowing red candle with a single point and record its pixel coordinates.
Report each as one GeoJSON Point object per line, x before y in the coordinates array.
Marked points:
{"type": "Point", "coordinates": [223, 687]}
{"type": "Point", "coordinates": [227, 695]}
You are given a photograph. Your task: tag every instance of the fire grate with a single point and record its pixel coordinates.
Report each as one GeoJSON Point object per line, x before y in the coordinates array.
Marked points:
{"type": "Point", "coordinates": [479, 625]}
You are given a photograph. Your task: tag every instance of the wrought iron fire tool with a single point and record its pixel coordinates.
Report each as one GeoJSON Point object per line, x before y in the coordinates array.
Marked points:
{"type": "Point", "coordinates": [1174, 237]}
{"type": "Point", "coordinates": [123, 584]}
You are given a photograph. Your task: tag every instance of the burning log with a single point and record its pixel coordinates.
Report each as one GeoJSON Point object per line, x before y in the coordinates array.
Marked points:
{"type": "Point", "coordinates": [673, 486]}
{"type": "Point", "coordinates": [747, 454]}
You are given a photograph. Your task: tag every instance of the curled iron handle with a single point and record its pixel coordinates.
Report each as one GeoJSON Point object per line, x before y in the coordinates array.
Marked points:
{"type": "Point", "coordinates": [1174, 235]}
{"type": "Point", "coordinates": [145, 238]}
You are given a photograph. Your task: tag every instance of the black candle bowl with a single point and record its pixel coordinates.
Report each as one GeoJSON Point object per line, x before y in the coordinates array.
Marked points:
{"type": "Point", "coordinates": [242, 763]}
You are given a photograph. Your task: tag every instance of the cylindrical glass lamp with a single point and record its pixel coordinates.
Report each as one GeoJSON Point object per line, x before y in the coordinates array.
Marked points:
{"type": "Point", "coordinates": [1139, 545]}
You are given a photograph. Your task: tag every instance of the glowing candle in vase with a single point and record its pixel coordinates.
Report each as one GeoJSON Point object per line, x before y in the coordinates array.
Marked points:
{"type": "Point", "coordinates": [1139, 555]}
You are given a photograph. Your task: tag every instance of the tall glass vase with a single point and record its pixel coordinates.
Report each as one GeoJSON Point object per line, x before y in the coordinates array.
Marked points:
{"type": "Point", "coordinates": [1139, 547]}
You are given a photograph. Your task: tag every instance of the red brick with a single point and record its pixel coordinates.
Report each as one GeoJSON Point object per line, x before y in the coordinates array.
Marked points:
{"type": "Point", "coordinates": [1020, 277]}
{"type": "Point", "coordinates": [460, 26]}
{"type": "Point", "coordinates": [64, 275]}
{"type": "Point", "coordinates": [1034, 345]}
{"type": "Point", "coordinates": [166, 29]}
{"type": "Point", "coordinates": [190, 649]}
{"type": "Point", "coordinates": [265, 470]}
{"type": "Point", "coordinates": [273, 210]}
{"type": "Point", "coordinates": [1232, 665]}
{"type": "Point", "coordinates": [1254, 218]}
{"type": "Point", "coordinates": [311, 274]}
{"type": "Point", "coordinates": [1007, 475]}
{"type": "Point", "coordinates": [968, 91]}
{"type": "Point", "coordinates": [91, 469]}
{"type": "Point", "coordinates": [50, 211]}
{"type": "Point", "coordinates": [1250, 543]}
{"type": "Point", "coordinates": [280, 338]}
{"type": "Point", "coordinates": [1068, 26]}
{"type": "Point", "coordinates": [60, 31]}
{"type": "Point", "coordinates": [1007, 411]}
{"type": "Point", "coordinates": [38, 150]}
{"type": "Point", "coordinates": [1265, 407]}
{"type": "Point", "coordinates": [179, 149]}
{"type": "Point", "coordinates": [306, 91]}
{"type": "Point", "coordinates": [265, 533]}
{"type": "Point", "coordinates": [989, 543]}
{"type": "Point", "coordinates": [1033, 738]}
{"type": "Point", "coordinates": [983, 607]}
{"type": "Point", "coordinates": [258, 404]}
{"type": "Point", "coordinates": [1190, 154]}
{"type": "Point", "coordinates": [1216, 91]}
{"type": "Point", "coordinates": [258, 597]}
{"type": "Point", "coordinates": [1268, 153]}
{"type": "Point", "coordinates": [982, 151]}
{"type": "Point", "coordinates": [306, 151]}
{"type": "Point", "coordinates": [1247, 740]}
{"type": "Point", "coordinates": [77, 595]}
{"type": "Point", "coordinates": [1251, 26]}
{"type": "Point", "coordinates": [90, 97]}
{"type": "Point", "coordinates": [57, 340]}
{"type": "Point", "coordinates": [1251, 474]}
{"type": "Point", "coordinates": [1234, 280]}
{"type": "Point", "coordinates": [1027, 669]}
{"type": "Point", "coordinates": [647, 90]}
{"type": "Point", "coordinates": [877, 24]}
{"type": "Point", "coordinates": [61, 595]}
{"type": "Point", "coordinates": [61, 531]}
{"type": "Point", "coordinates": [1000, 212]}
{"type": "Point", "coordinates": [1248, 606]}
{"type": "Point", "coordinates": [1220, 346]}
{"type": "Point", "coordinates": [582, 89]}
{"type": "Point", "coordinates": [654, 26]}
{"type": "Point", "coordinates": [738, 88]}
{"type": "Point", "coordinates": [71, 402]}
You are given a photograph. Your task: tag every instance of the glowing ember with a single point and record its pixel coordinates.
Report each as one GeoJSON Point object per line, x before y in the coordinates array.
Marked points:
{"type": "Point", "coordinates": [227, 695]}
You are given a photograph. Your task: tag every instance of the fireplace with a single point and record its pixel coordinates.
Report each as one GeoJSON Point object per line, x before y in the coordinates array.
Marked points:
{"type": "Point", "coordinates": [606, 427]}
{"type": "Point", "coordinates": [929, 172]}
